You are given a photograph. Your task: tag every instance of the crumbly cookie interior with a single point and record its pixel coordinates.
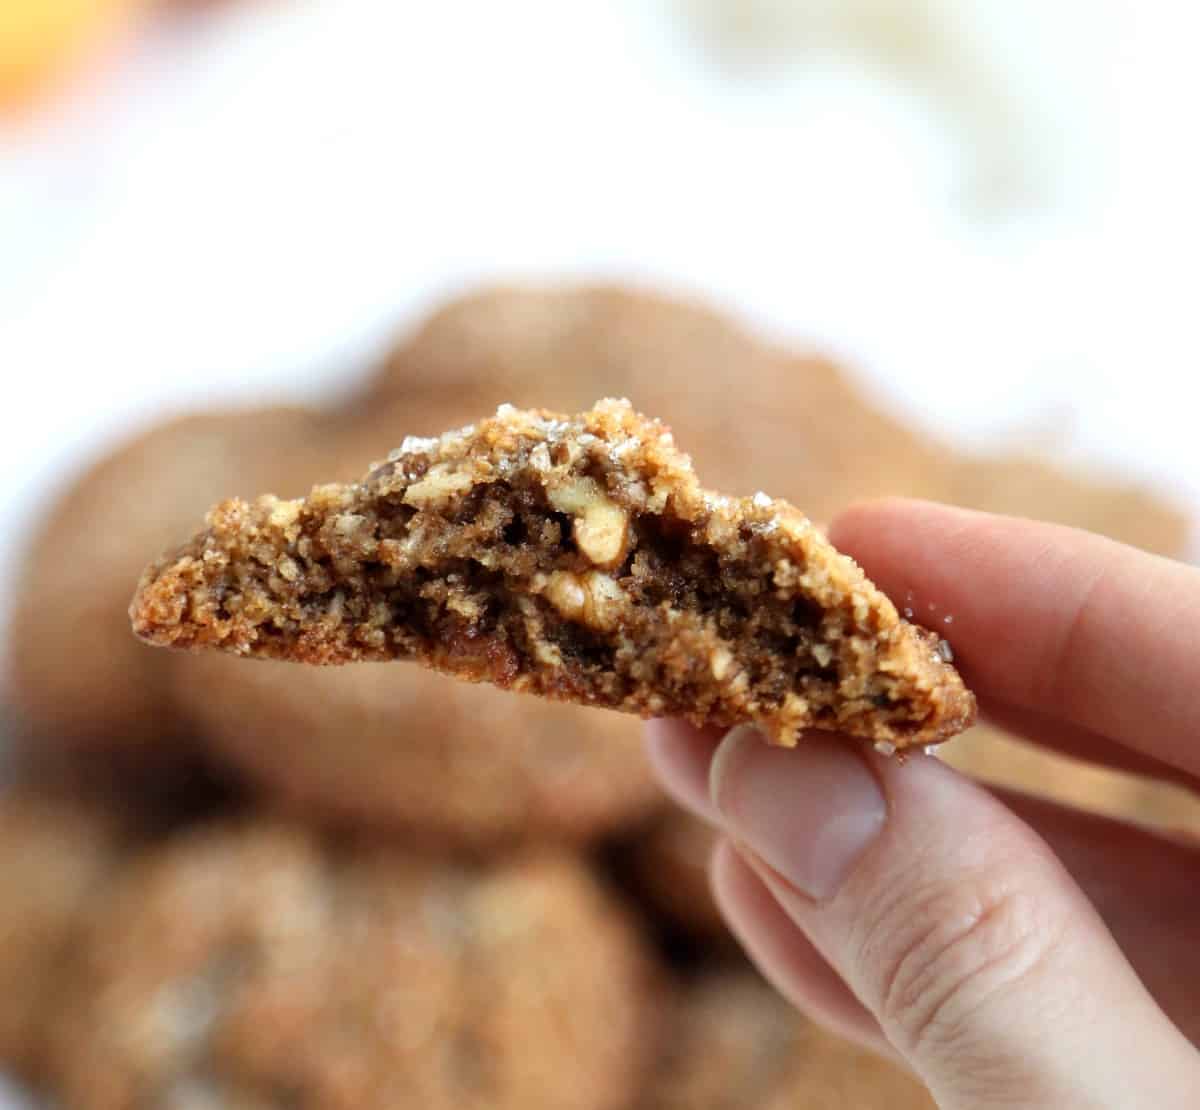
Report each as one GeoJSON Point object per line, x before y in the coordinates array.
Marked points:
{"type": "Point", "coordinates": [574, 559]}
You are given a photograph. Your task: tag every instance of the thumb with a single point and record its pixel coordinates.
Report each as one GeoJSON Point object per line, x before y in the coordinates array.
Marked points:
{"type": "Point", "coordinates": [954, 924]}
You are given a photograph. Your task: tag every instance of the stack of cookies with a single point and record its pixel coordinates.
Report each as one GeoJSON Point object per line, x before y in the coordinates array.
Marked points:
{"type": "Point", "coordinates": [248, 884]}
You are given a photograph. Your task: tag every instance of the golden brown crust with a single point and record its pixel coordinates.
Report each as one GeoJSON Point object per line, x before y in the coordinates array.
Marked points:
{"type": "Point", "coordinates": [577, 558]}
{"type": "Point", "coordinates": [402, 748]}
{"type": "Point", "coordinates": [248, 964]}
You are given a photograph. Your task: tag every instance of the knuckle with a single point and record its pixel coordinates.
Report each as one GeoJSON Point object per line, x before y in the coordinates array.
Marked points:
{"type": "Point", "coordinates": [941, 957]}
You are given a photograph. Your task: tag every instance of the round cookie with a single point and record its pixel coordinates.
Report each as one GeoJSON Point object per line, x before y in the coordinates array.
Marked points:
{"type": "Point", "coordinates": [751, 415]}
{"type": "Point", "coordinates": [392, 744]}
{"type": "Point", "coordinates": [250, 965]}
{"type": "Point", "coordinates": [55, 852]}
{"type": "Point", "coordinates": [78, 677]}
{"type": "Point", "coordinates": [734, 1042]}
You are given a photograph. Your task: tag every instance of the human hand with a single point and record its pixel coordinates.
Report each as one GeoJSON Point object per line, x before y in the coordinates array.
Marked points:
{"type": "Point", "coordinates": [1012, 952]}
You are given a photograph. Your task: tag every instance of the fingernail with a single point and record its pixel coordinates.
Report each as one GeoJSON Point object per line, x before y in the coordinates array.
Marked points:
{"type": "Point", "coordinates": [808, 812]}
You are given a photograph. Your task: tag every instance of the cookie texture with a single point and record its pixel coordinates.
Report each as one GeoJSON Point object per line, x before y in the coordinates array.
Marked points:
{"type": "Point", "coordinates": [576, 558]}
{"type": "Point", "coordinates": [55, 853]}
{"type": "Point", "coordinates": [404, 749]}
{"type": "Point", "coordinates": [250, 965]}
{"type": "Point", "coordinates": [735, 1043]}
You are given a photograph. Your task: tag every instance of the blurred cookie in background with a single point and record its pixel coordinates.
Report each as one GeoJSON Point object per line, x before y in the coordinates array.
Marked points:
{"type": "Point", "coordinates": [248, 964]}
{"type": "Point", "coordinates": [750, 415]}
{"type": "Point", "coordinates": [734, 1042]}
{"type": "Point", "coordinates": [56, 853]}
{"type": "Point", "coordinates": [392, 745]}
{"type": "Point", "coordinates": [79, 679]}
{"type": "Point", "coordinates": [1023, 485]}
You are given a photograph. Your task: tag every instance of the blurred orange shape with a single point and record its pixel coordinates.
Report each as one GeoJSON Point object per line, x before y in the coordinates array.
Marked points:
{"type": "Point", "coordinates": [41, 40]}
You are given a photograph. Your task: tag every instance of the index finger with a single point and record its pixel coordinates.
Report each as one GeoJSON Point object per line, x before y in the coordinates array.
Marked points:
{"type": "Point", "coordinates": [1047, 618]}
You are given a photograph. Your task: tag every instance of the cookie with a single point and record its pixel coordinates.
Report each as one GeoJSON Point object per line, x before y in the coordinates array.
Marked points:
{"type": "Point", "coordinates": [734, 1043]}
{"type": "Point", "coordinates": [565, 345]}
{"type": "Point", "coordinates": [401, 748]}
{"type": "Point", "coordinates": [577, 558]}
{"type": "Point", "coordinates": [78, 679]}
{"type": "Point", "coordinates": [750, 412]}
{"type": "Point", "coordinates": [55, 854]}
{"type": "Point", "coordinates": [251, 965]}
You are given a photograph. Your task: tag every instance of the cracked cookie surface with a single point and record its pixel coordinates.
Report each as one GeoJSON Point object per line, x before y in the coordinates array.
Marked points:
{"type": "Point", "coordinates": [250, 964]}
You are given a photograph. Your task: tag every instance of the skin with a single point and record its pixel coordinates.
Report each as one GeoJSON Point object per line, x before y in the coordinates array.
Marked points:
{"type": "Point", "coordinates": [1011, 952]}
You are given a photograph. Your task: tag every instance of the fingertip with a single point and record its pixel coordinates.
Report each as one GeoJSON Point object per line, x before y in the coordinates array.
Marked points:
{"type": "Point", "coordinates": [860, 518]}
{"type": "Point", "coordinates": [867, 530]}
{"type": "Point", "coordinates": [680, 756]}
{"type": "Point", "coordinates": [807, 812]}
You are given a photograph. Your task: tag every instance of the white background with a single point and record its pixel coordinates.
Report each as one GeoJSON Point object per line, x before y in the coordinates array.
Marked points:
{"type": "Point", "coordinates": [997, 228]}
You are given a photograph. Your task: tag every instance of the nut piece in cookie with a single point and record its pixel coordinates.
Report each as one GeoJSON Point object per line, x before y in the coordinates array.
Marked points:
{"type": "Point", "coordinates": [249, 964]}
{"type": "Point", "coordinates": [489, 554]}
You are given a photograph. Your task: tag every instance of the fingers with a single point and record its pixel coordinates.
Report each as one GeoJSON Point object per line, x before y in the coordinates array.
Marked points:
{"type": "Point", "coordinates": [954, 926]}
{"type": "Point", "coordinates": [784, 955]}
{"type": "Point", "coordinates": [1144, 888]}
{"type": "Point", "coordinates": [1047, 618]}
